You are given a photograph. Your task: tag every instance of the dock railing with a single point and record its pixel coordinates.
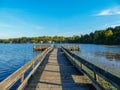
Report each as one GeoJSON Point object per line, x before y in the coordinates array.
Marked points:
{"type": "Point", "coordinates": [71, 47]}
{"type": "Point", "coordinates": [101, 79]}
{"type": "Point", "coordinates": [20, 73]}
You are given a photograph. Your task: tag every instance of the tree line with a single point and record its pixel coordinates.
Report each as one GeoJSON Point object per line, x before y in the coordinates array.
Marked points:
{"type": "Point", "coordinates": [109, 36]}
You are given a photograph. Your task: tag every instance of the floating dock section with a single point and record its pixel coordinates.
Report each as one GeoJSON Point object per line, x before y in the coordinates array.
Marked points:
{"type": "Point", "coordinates": [40, 47]}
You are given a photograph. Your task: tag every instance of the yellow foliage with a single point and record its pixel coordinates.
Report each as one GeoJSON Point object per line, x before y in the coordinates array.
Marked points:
{"type": "Point", "coordinates": [108, 33]}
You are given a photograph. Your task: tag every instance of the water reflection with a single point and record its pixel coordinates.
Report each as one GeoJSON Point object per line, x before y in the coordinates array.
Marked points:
{"type": "Point", "coordinates": [109, 55]}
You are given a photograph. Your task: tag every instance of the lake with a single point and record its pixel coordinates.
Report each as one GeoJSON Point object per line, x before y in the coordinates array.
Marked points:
{"type": "Point", "coordinates": [104, 56]}
{"type": "Point", "coordinates": [13, 56]}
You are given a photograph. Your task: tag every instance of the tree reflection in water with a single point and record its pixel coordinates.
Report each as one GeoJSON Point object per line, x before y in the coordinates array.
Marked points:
{"type": "Point", "coordinates": [109, 55]}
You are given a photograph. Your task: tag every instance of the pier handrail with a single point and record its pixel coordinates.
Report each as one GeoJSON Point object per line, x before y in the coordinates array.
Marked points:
{"type": "Point", "coordinates": [19, 74]}
{"type": "Point", "coordinates": [78, 62]}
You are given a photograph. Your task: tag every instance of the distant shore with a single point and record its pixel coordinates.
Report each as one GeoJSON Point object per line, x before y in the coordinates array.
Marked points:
{"type": "Point", "coordinates": [109, 36]}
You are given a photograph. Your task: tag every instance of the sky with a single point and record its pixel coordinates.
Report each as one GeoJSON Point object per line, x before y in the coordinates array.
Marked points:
{"type": "Point", "coordinates": [31, 18]}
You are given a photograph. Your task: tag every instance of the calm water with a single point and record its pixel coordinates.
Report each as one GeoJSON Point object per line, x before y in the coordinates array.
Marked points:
{"type": "Point", "coordinates": [13, 56]}
{"type": "Point", "coordinates": [106, 57]}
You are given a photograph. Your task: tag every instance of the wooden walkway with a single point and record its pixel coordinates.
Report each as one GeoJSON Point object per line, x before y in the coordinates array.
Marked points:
{"type": "Point", "coordinates": [57, 73]}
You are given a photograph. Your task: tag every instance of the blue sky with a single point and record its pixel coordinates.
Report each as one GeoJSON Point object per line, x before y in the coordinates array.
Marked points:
{"type": "Point", "coordinates": [30, 18]}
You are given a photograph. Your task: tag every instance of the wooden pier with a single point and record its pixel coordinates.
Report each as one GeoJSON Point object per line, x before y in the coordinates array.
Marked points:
{"type": "Point", "coordinates": [57, 73]}
{"type": "Point", "coordinates": [56, 68]}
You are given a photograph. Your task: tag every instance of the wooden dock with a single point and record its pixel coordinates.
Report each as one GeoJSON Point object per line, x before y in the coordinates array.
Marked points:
{"type": "Point", "coordinates": [57, 68]}
{"type": "Point", "coordinates": [57, 73]}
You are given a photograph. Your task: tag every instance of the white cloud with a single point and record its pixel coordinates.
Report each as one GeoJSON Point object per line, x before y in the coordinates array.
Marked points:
{"type": "Point", "coordinates": [113, 25]}
{"type": "Point", "coordinates": [110, 11]}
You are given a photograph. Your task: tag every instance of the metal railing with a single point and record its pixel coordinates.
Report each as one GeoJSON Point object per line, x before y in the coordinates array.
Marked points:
{"type": "Point", "coordinates": [19, 74]}
{"type": "Point", "coordinates": [101, 79]}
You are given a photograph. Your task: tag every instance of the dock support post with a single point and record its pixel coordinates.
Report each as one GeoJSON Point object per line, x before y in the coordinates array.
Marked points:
{"type": "Point", "coordinates": [22, 78]}
{"type": "Point", "coordinates": [81, 65]}
{"type": "Point", "coordinates": [33, 66]}
{"type": "Point", "coordinates": [95, 76]}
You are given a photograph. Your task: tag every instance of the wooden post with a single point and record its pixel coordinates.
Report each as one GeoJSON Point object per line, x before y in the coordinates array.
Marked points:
{"type": "Point", "coordinates": [22, 78]}
{"type": "Point", "coordinates": [95, 76]}
{"type": "Point", "coordinates": [33, 66]}
{"type": "Point", "coordinates": [81, 65]}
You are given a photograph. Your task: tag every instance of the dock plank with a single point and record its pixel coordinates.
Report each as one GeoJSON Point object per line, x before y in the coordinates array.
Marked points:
{"type": "Point", "coordinates": [57, 73]}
